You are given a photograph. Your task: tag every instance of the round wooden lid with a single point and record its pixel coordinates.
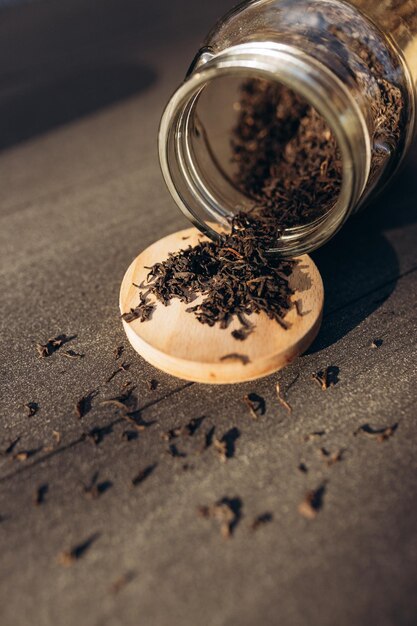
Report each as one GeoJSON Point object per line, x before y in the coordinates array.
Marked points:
{"type": "Point", "coordinates": [177, 343]}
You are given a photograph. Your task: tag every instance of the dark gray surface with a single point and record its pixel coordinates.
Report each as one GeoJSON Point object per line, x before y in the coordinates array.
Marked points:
{"type": "Point", "coordinates": [81, 195]}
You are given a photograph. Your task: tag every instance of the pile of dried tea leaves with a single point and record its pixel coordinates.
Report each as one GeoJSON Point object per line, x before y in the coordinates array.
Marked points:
{"type": "Point", "coordinates": [234, 275]}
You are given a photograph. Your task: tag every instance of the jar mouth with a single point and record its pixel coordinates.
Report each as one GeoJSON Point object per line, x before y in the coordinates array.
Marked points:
{"type": "Point", "coordinates": [317, 85]}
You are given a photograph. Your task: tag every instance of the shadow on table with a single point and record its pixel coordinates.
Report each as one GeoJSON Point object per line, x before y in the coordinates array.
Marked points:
{"type": "Point", "coordinates": [35, 106]}
{"type": "Point", "coordinates": [359, 266]}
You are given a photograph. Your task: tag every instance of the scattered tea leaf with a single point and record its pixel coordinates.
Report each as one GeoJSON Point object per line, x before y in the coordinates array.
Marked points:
{"type": "Point", "coordinates": [282, 400]}
{"type": "Point", "coordinates": [142, 312]}
{"type": "Point", "coordinates": [24, 455]}
{"type": "Point", "coordinates": [122, 368]}
{"type": "Point", "coordinates": [226, 511]}
{"type": "Point", "coordinates": [83, 405]}
{"type": "Point", "coordinates": [225, 447]}
{"type": "Point", "coordinates": [329, 377]}
{"type": "Point", "coordinates": [143, 474]}
{"type": "Point", "coordinates": [32, 408]}
{"type": "Point", "coordinates": [98, 433]}
{"type": "Point", "coordinates": [376, 343]}
{"type": "Point", "coordinates": [95, 489]}
{"type": "Point", "coordinates": [261, 520]}
{"type": "Point", "coordinates": [379, 434]}
{"type": "Point", "coordinates": [69, 557]}
{"type": "Point", "coordinates": [312, 503]}
{"type": "Point", "coordinates": [330, 458]}
{"type": "Point", "coordinates": [174, 452]}
{"type": "Point", "coordinates": [10, 446]}
{"type": "Point", "coordinates": [118, 352]}
{"type": "Point", "coordinates": [152, 384]}
{"type": "Point", "coordinates": [255, 403]}
{"type": "Point", "coordinates": [52, 345]}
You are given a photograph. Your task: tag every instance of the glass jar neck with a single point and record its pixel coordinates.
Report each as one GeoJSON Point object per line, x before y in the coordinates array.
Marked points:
{"type": "Point", "coordinates": [306, 76]}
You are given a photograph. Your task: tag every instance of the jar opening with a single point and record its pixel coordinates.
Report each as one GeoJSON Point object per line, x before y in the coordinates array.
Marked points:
{"type": "Point", "coordinates": [254, 133]}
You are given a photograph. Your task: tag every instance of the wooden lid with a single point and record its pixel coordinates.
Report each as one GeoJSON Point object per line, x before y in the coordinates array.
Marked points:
{"type": "Point", "coordinates": [177, 343]}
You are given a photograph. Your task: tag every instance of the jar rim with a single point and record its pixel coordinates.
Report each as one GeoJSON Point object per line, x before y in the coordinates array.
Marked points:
{"type": "Point", "coordinates": [317, 84]}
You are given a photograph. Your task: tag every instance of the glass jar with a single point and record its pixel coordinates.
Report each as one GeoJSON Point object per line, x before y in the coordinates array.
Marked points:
{"type": "Point", "coordinates": [354, 63]}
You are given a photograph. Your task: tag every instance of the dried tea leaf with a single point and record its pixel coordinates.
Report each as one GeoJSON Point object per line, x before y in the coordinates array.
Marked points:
{"type": "Point", "coordinates": [143, 474]}
{"type": "Point", "coordinates": [227, 512]}
{"type": "Point", "coordinates": [255, 403]}
{"type": "Point", "coordinates": [83, 405]}
{"type": "Point", "coordinates": [118, 352]}
{"type": "Point", "coordinates": [330, 458]}
{"type": "Point", "coordinates": [282, 400]}
{"type": "Point", "coordinates": [312, 502]}
{"type": "Point", "coordinates": [40, 493]}
{"type": "Point", "coordinates": [379, 434]}
{"type": "Point", "coordinates": [10, 446]}
{"type": "Point", "coordinates": [72, 555]}
{"type": "Point", "coordinates": [376, 343]}
{"type": "Point", "coordinates": [52, 345]}
{"type": "Point", "coordinates": [32, 408]}
{"type": "Point", "coordinates": [225, 447]}
{"type": "Point", "coordinates": [329, 377]}
{"type": "Point", "coordinates": [261, 520]}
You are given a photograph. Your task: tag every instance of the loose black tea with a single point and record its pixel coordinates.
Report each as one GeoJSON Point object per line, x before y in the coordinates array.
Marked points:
{"type": "Point", "coordinates": [11, 446]}
{"type": "Point", "coordinates": [83, 405]}
{"type": "Point", "coordinates": [51, 346]}
{"type": "Point", "coordinates": [379, 434]}
{"type": "Point", "coordinates": [281, 398]}
{"type": "Point", "coordinates": [286, 156]}
{"type": "Point", "coordinates": [70, 556]}
{"type": "Point", "coordinates": [24, 455]}
{"type": "Point", "coordinates": [143, 475]}
{"type": "Point", "coordinates": [130, 435]}
{"type": "Point", "coordinates": [31, 408]}
{"type": "Point", "coordinates": [152, 384]}
{"type": "Point", "coordinates": [226, 446]}
{"type": "Point", "coordinates": [187, 430]}
{"type": "Point", "coordinates": [174, 452]}
{"type": "Point", "coordinates": [94, 489]}
{"type": "Point", "coordinates": [123, 367]}
{"type": "Point", "coordinates": [255, 404]}
{"type": "Point", "coordinates": [376, 343]}
{"type": "Point", "coordinates": [312, 503]}
{"type": "Point", "coordinates": [96, 434]}
{"type": "Point", "coordinates": [261, 520]}
{"type": "Point", "coordinates": [226, 511]}
{"type": "Point", "coordinates": [234, 276]}
{"type": "Point", "coordinates": [117, 352]}
{"type": "Point", "coordinates": [330, 458]}
{"type": "Point", "coordinates": [329, 377]}
{"type": "Point", "coordinates": [40, 493]}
